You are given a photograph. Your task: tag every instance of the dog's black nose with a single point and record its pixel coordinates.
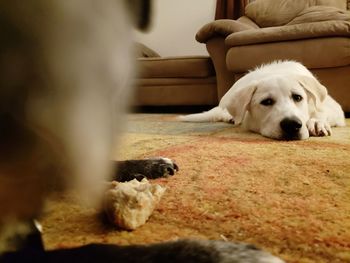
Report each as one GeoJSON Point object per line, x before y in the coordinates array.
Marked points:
{"type": "Point", "coordinates": [291, 126]}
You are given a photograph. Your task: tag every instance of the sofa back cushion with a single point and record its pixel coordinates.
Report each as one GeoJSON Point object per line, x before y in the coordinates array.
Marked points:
{"type": "Point", "coordinates": [266, 13]}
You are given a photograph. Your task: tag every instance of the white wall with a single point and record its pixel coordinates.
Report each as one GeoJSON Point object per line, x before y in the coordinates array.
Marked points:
{"type": "Point", "coordinates": [175, 24]}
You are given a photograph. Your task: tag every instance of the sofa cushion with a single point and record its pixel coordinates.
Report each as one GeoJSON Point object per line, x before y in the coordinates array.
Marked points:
{"type": "Point", "coordinates": [320, 13]}
{"type": "Point", "coordinates": [268, 13]}
{"type": "Point", "coordinates": [290, 32]}
{"type": "Point", "coordinates": [313, 53]}
{"type": "Point", "coordinates": [176, 91]}
{"type": "Point", "coordinates": [176, 67]}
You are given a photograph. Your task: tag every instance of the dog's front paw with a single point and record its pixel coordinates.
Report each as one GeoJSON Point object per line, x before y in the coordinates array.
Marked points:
{"type": "Point", "coordinates": [318, 127]}
{"type": "Point", "coordinates": [161, 167]}
{"type": "Point", "coordinates": [150, 168]}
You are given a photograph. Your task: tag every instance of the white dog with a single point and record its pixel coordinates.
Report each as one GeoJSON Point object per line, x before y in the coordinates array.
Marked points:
{"type": "Point", "coordinates": [281, 100]}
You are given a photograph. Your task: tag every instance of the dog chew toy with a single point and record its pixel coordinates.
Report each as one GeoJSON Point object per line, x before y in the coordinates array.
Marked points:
{"type": "Point", "coordinates": [128, 205]}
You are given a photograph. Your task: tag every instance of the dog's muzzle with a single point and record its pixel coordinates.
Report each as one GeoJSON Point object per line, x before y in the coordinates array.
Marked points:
{"type": "Point", "coordinates": [291, 128]}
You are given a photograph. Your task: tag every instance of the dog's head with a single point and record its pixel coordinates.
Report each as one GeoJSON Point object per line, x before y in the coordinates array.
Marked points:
{"type": "Point", "coordinates": [277, 106]}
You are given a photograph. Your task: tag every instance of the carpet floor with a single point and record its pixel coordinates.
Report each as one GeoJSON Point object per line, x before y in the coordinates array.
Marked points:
{"type": "Point", "coordinates": [290, 198]}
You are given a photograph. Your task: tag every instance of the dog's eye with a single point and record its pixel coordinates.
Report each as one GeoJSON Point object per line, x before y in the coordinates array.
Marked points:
{"type": "Point", "coordinates": [267, 102]}
{"type": "Point", "coordinates": [297, 97]}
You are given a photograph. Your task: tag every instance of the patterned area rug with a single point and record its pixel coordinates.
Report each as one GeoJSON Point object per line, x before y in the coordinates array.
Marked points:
{"type": "Point", "coordinates": [290, 198]}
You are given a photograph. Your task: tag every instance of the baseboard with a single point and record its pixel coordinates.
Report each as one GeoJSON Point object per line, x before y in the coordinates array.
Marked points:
{"type": "Point", "coordinates": [171, 109]}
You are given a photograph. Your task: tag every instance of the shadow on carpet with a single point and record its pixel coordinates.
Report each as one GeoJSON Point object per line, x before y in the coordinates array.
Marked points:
{"type": "Point", "coordinates": [290, 198]}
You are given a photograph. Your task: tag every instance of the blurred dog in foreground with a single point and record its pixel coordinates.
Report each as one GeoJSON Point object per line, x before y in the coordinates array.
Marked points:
{"type": "Point", "coordinates": [66, 69]}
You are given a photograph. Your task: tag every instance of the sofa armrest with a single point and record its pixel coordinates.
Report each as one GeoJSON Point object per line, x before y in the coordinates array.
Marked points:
{"type": "Point", "coordinates": [221, 27]}
{"type": "Point", "coordinates": [142, 51]}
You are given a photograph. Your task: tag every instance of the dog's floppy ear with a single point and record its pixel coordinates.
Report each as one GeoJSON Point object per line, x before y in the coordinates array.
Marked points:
{"type": "Point", "coordinates": [313, 87]}
{"type": "Point", "coordinates": [238, 101]}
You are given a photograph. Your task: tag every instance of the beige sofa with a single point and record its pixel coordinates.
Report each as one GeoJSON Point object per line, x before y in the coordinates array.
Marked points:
{"type": "Point", "coordinates": [176, 81]}
{"type": "Point", "coordinates": [314, 32]}
{"type": "Point", "coordinates": [173, 81]}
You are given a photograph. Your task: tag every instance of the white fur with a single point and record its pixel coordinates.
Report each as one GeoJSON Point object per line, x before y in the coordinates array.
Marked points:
{"type": "Point", "coordinates": [317, 111]}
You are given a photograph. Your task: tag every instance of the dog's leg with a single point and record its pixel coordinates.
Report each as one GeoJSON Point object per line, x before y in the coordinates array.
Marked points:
{"type": "Point", "coordinates": [150, 168]}
{"type": "Point", "coordinates": [217, 114]}
{"type": "Point", "coordinates": [172, 252]}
